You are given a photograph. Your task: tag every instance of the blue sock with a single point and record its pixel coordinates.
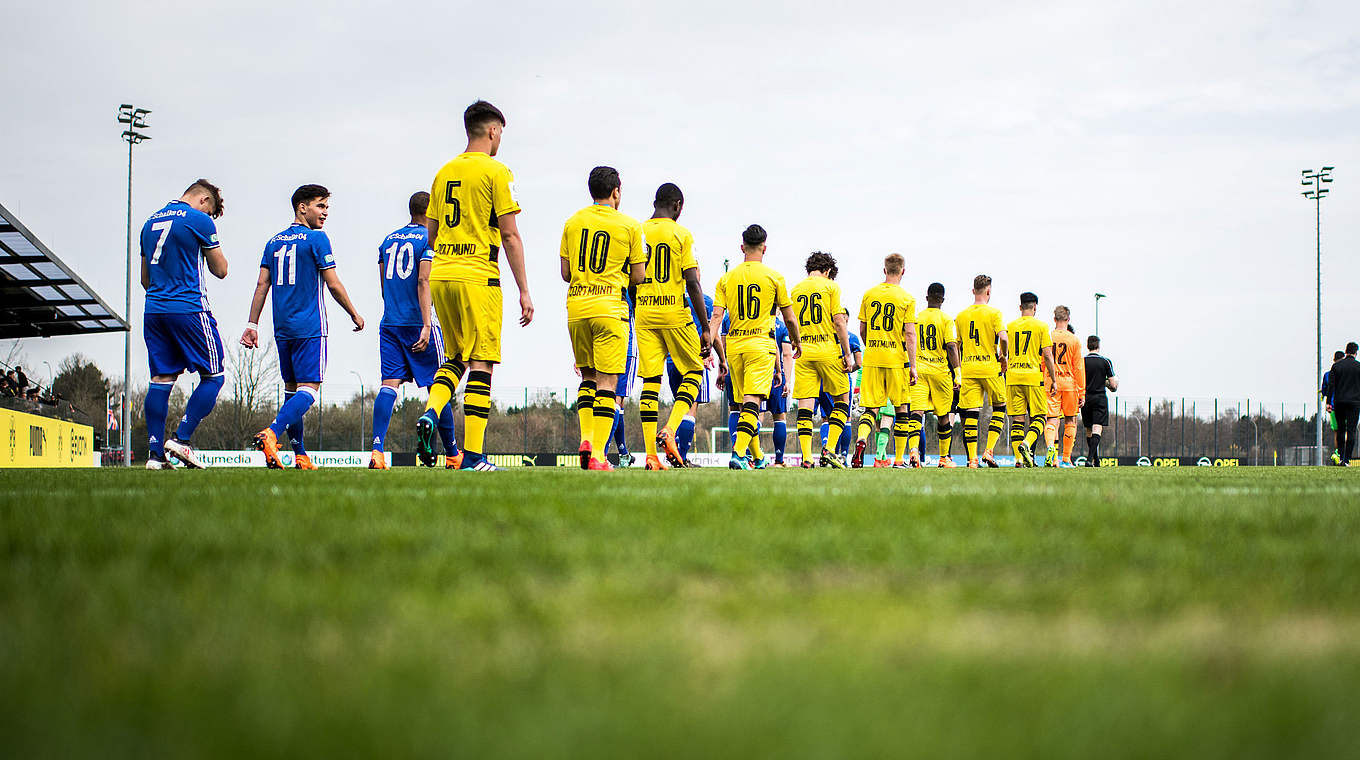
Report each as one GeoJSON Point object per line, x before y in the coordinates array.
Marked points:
{"type": "Point", "coordinates": [826, 430]}
{"type": "Point", "coordinates": [294, 429]}
{"type": "Point", "coordinates": [446, 431]}
{"type": "Point", "coordinates": [619, 435]}
{"type": "Point", "coordinates": [157, 409]}
{"type": "Point", "coordinates": [201, 402]}
{"type": "Point", "coordinates": [732, 419]}
{"type": "Point", "coordinates": [291, 414]}
{"type": "Point", "coordinates": [781, 437]}
{"type": "Point", "coordinates": [843, 448]}
{"type": "Point", "coordinates": [382, 415]}
{"type": "Point", "coordinates": [684, 437]}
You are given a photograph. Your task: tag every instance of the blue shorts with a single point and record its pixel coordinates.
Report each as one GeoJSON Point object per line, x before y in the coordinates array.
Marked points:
{"type": "Point", "coordinates": [676, 377]}
{"type": "Point", "coordinates": [824, 404]}
{"type": "Point", "coordinates": [302, 360]}
{"type": "Point", "coordinates": [777, 403]}
{"type": "Point", "coordinates": [176, 342]}
{"type": "Point", "coordinates": [399, 362]}
{"type": "Point", "coordinates": [625, 383]}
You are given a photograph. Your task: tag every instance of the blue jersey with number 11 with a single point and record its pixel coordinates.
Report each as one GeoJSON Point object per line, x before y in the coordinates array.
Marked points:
{"type": "Point", "coordinates": [295, 259]}
{"type": "Point", "coordinates": [400, 255]}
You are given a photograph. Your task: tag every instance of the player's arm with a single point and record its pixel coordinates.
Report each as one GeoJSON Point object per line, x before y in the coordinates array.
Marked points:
{"type": "Point", "coordinates": [786, 367]}
{"type": "Point", "coordinates": [720, 344]}
{"type": "Point", "coordinates": [217, 261]}
{"type": "Point", "coordinates": [1078, 375]}
{"type": "Point", "coordinates": [951, 353]}
{"type": "Point", "coordinates": [251, 337]}
{"type": "Point", "coordinates": [426, 304]}
{"type": "Point", "coordinates": [637, 272]}
{"type": "Point", "coordinates": [146, 282]}
{"type": "Point", "coordinates": [1003, 348]}
{"type": "Point", "coordinates": [513, 245]}
{"type": "Point", "coordinates": [566, 270]}
{"type": "Point", "coordinates": [341, 296]}
{"type": "Point", "coordinates": [863, 332]}
{"type": "Point", "coordinates": [911, 350]}
{"type": "Point", "coordinates": [696, 307]}
{"type": "Point", "coordinates": [795, 340]}
{"type": "Point", "coordinates": [843, 335]}
{"type": "Point", "coordinates": [1047, 351]}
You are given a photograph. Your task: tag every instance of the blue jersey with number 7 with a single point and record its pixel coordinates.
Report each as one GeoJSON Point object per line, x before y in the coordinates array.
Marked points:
{"type": "Point", "coordinates": [173, 241]}
{"type": "Point", "coordinates": [295, 259]}
{"type": "Point", "coordinates": [399, 256]}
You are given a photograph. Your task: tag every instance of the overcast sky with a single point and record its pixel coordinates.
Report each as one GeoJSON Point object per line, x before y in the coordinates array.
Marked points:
{"type": "Point", "coordinates": [1147, 150]}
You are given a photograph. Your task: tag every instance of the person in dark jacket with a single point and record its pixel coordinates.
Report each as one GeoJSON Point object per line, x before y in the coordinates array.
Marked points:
{"type": "Point", "coordinates": [1344, 384]}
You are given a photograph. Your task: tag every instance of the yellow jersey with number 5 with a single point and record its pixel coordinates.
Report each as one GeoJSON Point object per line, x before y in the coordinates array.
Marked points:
{"type": "Point", "coordinates": [816, 302]}
{"type": "Point", "coordinates": [934, 331]}
{"type": "Point", "coordinates": [751, 293]}
{"type": "Point", "coordinates": [885, 311]}
{"type": "Point", "coordinates": [1026, 337]}
{"type": "Point", "coordinates": [600, 244]}
{"type": "Point", "coordinates": [468, 197]}
{"type": "Point", "coordinates": [661, 297]}
{"type": "Point", "coordinates": [978, 327]}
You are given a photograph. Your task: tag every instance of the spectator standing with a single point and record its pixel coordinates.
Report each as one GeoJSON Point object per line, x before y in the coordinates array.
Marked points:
{"type": "Point", "coordinates": [1331, 415]}
{"type": "Point", "coordinates": [1344, 382]}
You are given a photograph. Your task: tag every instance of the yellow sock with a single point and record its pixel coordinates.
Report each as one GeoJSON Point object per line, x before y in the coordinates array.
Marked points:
{"type": "Point", "coordinates": [901, 436]}
{"type": "Point", "coordinates": [476, 410]}
{"type": "Point", "coordinates": [840, 415]}
{"type": "Point", "coordinates": [914, 432]}
{"type": "Point", "coordinates": [805, 433]}
{"type": "Point", "coordinates": [684, 399]}
{"type": "Point", "coordinates": [1036, 428]}
{"type": "Point", "coordinates": [445, 381]}
{"type": "Point", "coordinates": [746, 428]}
{"type": "Point", "coordinates": [604, 423]}
{"type": "Point", "coordinates": [585, 409]}
{"type": "Point", "coordinates": [945, 432]}
{"type": "Point", "coordinates": [970, 434]}
{"type": "Point", "coordinates": [649, 408]}
{"type": "Point", "coordinates": [866, 425]}
{"type": "Point", "coordinates": [995, 429]}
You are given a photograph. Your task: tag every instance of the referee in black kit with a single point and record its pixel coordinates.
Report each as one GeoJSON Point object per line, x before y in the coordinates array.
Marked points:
{"type": "Point", "coordinates": [1345, 401]}
{"type": "Point", "coordinates": [1095, 413]}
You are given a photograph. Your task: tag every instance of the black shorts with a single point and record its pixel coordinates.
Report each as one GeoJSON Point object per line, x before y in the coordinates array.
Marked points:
{"type": "Point", "coordinates": [1096, 411]}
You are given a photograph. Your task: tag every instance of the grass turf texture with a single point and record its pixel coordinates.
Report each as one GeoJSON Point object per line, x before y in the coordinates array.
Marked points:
{"type": "Point", "coordinates": [556, 613]}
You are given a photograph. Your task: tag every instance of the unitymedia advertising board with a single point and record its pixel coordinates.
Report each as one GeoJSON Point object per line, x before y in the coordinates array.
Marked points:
{"type": "Point", "coordinates": [256, 459]}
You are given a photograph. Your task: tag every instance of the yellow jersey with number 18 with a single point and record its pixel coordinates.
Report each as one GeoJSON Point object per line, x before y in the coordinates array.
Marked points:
{"type": "Point", "coordinates": [1027, 337]}
{"type": "Point", "coordinates": [661, 297]}
{"type": "Point", "coordinates": [934, 331]}
{"type": "Point", "coordinates": [468, 197]}
{"type": "Point", "coordinates": [817, 300]}
{"type": "Point", "coordinates": [885, 311]}
{"type": "Point", "coordinates": [751, 293]}
{"type": "Point", "coordinates": [978, 327]}
{"type": "Point", "coordinates": [599, 244]}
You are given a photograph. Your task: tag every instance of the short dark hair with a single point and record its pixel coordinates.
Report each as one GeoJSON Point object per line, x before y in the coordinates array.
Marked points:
{"type": "Point", "coordinates": [479, 115]}
{"type": "Point", "coordinates": [1336, 357]}
{"type": "Point", "coordinates": [667, 194]}
{"type": "Point", "coordinates": [935, 290]}
{"type": "Point", "coordinates": [981, 283]}
{"type": "Point", "coordinates": [213, 192]}
{"type": "Point", "coordinates": [1352, 347]}
{"type": "Point", "coordinates": [1092, 343]}
{"type": "Point", "coordinates": [307, 194]}
{"type": "Point", "coordinates": [603, 181]}
{"type": "Point", "coordinates": [419, 203]}
{"type": "Point", "coordinates": [753, 236]}
{"type": "Point", "coordinates": [1028, 299]}
{"type": "Point", "coordinates": [820, 262]}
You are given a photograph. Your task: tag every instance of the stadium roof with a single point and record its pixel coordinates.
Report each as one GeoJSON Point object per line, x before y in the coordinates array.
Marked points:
{"type": "Point", "coordinates": [41, 296]}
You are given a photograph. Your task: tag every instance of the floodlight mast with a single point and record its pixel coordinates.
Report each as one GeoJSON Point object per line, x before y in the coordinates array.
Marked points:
{"type": "Point", "coordinates": [1314, 180]}
{"type": "Point", "coordinates": [134, 119]}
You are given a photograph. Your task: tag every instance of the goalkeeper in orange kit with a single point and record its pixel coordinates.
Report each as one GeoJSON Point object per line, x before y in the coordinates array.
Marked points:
{"type": "Point", "coordinates": [1067, 392]}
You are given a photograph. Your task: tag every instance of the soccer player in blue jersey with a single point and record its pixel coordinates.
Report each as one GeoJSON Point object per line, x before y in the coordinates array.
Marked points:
{"type": "Point", "coordinates": [295, 264]}
{"type": "Point", "coordinates": [410, 347]}
{"type": "Point", "coordinates": [178, 326]}
{"type": "Point", "coordinates": [778, 402]}
{"type": "Point", "coordinates": [625, 387]}
{"type": "Point", "coordinates": [684, 432]}
{"type": "Point", "coordinates": [825, 402]}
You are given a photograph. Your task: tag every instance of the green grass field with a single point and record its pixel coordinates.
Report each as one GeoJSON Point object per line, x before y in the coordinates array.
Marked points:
{"type": "Point", "coordinates": [1111, 613]}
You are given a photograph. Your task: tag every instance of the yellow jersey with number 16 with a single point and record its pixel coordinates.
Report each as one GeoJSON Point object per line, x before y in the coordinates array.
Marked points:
{"type": "Point", "coordinates": [978, 327]}
{"type": "Point", "coordinates": [661, 297]}
{"type": "Point", "coordinates": [468, 197]}
{"type": "Point", "coordinates": [751, 293]}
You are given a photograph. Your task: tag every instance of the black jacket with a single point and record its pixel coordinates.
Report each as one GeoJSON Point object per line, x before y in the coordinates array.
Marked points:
{"type": "Point", "coordinates": [1345, 381]}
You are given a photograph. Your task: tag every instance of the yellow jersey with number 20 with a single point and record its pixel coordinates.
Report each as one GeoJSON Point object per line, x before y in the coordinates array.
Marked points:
{"type": "Point", "coordinates": [661, 297]}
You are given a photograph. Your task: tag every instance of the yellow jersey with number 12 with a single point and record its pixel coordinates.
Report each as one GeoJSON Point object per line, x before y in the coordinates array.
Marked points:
{"type": "Point", "coordinates": [817, 300]}
{"type": "Point", "coordinates": [599, 244]}
{"type": "Point", "coordinates": [934, 331]}
{"type": "Point", "coordinates": [751, 293]}
{"type": "Point", "coordinates": [661, 297]}
{"type": "Point", "coordinates": [1027, 338]}
{"type": "Point", "coordinates": [978, 327]}
{"type": "Point", "coordinates": [468, 197]}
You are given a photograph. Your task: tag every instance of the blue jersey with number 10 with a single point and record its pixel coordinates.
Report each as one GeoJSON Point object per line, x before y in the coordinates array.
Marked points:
{"type": "Point", "coordinates": [173, 240]}
{"type": "Point", "coordinates": [295, 259]}
{"type": "Point", "coordinates": [400, 255]}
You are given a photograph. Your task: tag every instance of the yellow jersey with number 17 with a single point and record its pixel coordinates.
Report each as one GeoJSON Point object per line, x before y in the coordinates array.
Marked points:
{"type": "Point", "coordinates": [885, 311]}
{"type": "Point", "coordinates": [978, 327]}
{"type": "Point", "coordinates": [934, 331]}
{"type": "Point", "coordinates": [661, 297]}
{"type": "Point", "coordinates": [817, 300]}
{"type": "Point", "coordinates": [1027, 337]}
{"type": "Point", "coordinates": [599, 244]}
{"type": "Point", "coordinates": [751, 293]}
{"type": "Point", "coordinates": [468, 197]}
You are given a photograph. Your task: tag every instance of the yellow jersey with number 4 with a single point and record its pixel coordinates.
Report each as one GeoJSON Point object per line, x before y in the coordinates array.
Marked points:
{"type": "Point", "coordinates": [817, 300]}
{"type": "Point", "coordinates": [1027, 338]}
{"type": "Point", "coordinates": [599, 244]}
{"type": "Point", "coordinates": [886, 310]}
{"type": "Point", "coordinates": [468, 197]}
{"type": "Point", "coordinates": [661, 297]}
{"type": "Point", "coordinates": [934, 331]}
{"type": "Point", "coordinates": [751, 293]}
{"type": "Point", "coordinates": [978, 327]}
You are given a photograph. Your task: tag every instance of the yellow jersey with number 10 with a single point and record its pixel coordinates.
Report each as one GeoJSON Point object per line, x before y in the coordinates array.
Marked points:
{"type": "Point", "coordinates": [599, 244]}
{"type": "Point", "coordinates": [885, 311]}
{"type": "Point", "coordinates": [1027, 337]}
{"type": "Point", "coordinates": [751, 293]}
{"type": "Point", "coordinates": [978, 327]}
{"type": "Point", "coordinates": [468, 197]}
{"type": "Point", "coordinates": [661, 297]}
{"type": "Point", "coordinates": [934, 331]}
{"type": "Point", "coordinates": [817, 300]}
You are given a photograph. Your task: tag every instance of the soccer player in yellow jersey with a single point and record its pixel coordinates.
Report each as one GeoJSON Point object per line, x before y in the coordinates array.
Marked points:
{"type": "Point", "coordinates": [1030, 353]}
{"type": "Point", "coordinates": [983, 335]}
{"type": "Point", "coordinates": [938, 375]}
{"type": "Point", "coordinates": [753, 293]}
{"type": "Point", "coordinates": [887, 327]}
{"type": "Point", "coordinates": [470, 219]}
{"type": "Point", "coordinates": [665, 327]}
{"type": "Point", "coordinates": [825, 358]}
{"type": "Point", "coordinates": [602, 254]}
{"type": "Point", "coordinates": [1067, 392]}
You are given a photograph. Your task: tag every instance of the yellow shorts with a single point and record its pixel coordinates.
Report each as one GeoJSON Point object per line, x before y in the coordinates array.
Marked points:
{"type": "Point", "coordinates": [750, 373]}
{"type": "Point", "coordinates": [933, 392]}
{"type": "Point", "coordinates": [970, 393]}
{"type": "Point", "coordinates": [470, 318]}
{"type": "Point", "coordinates": [881, 385]}
{"type": "Point", "coordinates": [654, 344]}
{"type": "Point", "coordinates": [600, 343]}
{"type": "Point", "coordinates": [811, 377]}
{"type": "Point", "coordinates": [1029, 400]}
{"type": "Point", "coordinates": [1063, 403]}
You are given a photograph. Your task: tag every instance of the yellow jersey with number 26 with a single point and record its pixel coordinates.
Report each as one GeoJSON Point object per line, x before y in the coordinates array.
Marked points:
{"type": "Point", "coordinates": [817, 301]}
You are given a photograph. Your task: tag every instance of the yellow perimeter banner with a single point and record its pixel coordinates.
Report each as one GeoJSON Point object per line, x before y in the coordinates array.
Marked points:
{"type": "Point", "coordinates": [28, 440]}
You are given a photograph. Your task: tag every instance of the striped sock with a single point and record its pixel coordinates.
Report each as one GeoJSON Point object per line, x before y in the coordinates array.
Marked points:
{"type": "Point", "coordinates": [867, 420]}
{"type": "Point", "coordinates": [902, 435]}
{"type": "Point", "coordinates": [684, 398]}
{"type": "Point", "coordinates": [604, 423]}
{"type": "Point", "coordinates": [915, 421]}
{"type": "Point", "coordinates": [649, 405]}
{"type": "Point", "coordinates": [1036, 429]}
{"type": "Point", "coordinates": [970, 433]}
{"type": "Point", "coordinates": [746, 427]}
{"type": "Point", "coordinates": [840, 415]}
{"type": "Point", "coordinates": [446, 381]}
{"type": "Point", "coordinates": [585, 409]}
{"type": "Point", "coordinates": [805, 433]}
{"type": "Point", "coordinates": [476, 410]}
{"type": "Point", "coordinates": [996, 428]}
{"type": "Point", "coordinates": [945, 432]}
